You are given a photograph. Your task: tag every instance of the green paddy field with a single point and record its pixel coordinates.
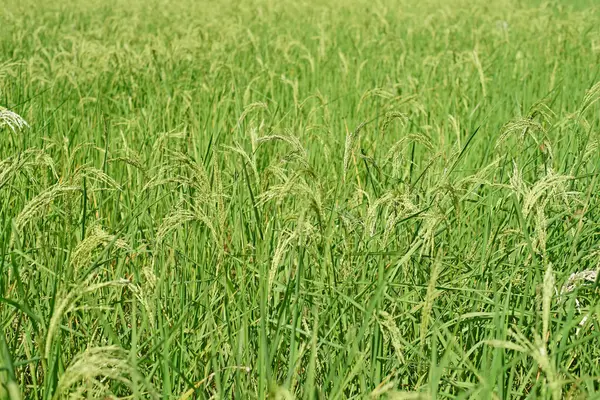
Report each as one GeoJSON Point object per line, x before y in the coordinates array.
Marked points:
{"type": "Point", "coordinates": [345, 199]}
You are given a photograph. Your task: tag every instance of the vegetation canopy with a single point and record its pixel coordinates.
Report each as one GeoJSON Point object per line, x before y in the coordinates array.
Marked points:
{"type": "Point", "coordinates": [382, 199]}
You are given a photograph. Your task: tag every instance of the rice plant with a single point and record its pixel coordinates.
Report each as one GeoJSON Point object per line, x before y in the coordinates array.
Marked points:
{"type": "Point", "coordinates": [299, 200]}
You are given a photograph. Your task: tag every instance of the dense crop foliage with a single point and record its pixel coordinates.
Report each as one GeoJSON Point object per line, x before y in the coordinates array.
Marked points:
{"type": "Point", "coordinates": [299, 199]}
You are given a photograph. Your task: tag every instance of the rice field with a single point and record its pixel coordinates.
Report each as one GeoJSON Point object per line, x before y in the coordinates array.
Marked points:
{"type": "Point", "coordinates": [352, 199]}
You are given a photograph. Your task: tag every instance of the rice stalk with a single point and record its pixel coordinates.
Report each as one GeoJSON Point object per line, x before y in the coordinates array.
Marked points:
{"type": "Point", "coordinates": [430, 296]}
{"type": "Point", "coordinates": [36, 206]}
{"type": "Point", "coordinates": [82, 255]}
{"type": "Point", "coordinates": [392, 334]}
{"type": "Point", "coordinates": [13, 120]}
{"type": "Point", "coordinates": [350, 147]}
{"type": "Point", "coordinates": [590, 98]}
{"type": "Point", "coordinates": [93, 369]}
{"type": "Point", "coordinates": [25, 163]}
{"type": "Point", "coordinates": [548, 292]}
{"type": "Point", "coordinates": [65, 305]}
